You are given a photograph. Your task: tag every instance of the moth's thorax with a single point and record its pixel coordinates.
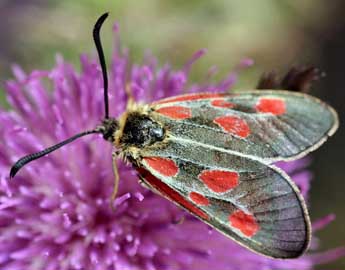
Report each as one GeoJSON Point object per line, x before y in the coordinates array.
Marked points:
{"type": "Point", "coordinates": [138, 129]}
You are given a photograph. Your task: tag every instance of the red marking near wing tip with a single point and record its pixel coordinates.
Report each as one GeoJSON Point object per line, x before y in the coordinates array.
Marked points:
{"type": "Point", "coordinates": [233, 125]}
{"type": "Point", "coordinates": [176, 112]}
{"type": "Point", "coordinates": [199, 198]}
{"type": "Point", "coordinates": [275, 106]}
{"type": "Point", "coordinates": [246, 223]}
{"type": "Point", "coordinates": [219, 181]}
{"type": "Point", "coordinates": [163, 166]}
{"type": "Point", "coordinates": [221, 103]}
{"type": "Point", "coordinates": [171, 194]}
{"type": "Point", "coordinates": [190, 97]}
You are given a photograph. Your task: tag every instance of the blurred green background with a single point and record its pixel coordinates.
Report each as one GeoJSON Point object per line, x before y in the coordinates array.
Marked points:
{"type": "Point", "coordinates": [275, 33]}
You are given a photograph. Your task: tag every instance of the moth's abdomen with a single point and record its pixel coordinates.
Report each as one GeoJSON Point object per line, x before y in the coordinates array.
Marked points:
{"type": "Point", "coordinates": [140, 130]}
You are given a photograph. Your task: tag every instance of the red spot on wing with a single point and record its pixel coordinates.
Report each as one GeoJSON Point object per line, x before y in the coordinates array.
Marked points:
{"type": "Point", "coordinates": [171, 194]}
{"type": "Point", "coordinates": [198, 198]}
{"type": "Point", "coordinates": [219, 181]}
{"type": "Point", "coordinates": [246, 223]}
{"type": "Point", "coordinates": [275, 106]}
{"type": "Point", "coordinates": [163, 166]}
{"type": "Point", "coordinates": [221, 103]}
{"type": "Point", "coordinates": [176, 112]}
{"type": "Point", "coordinates": [190, 97]}
{"type": "Point", "coordinates": [234, 125]}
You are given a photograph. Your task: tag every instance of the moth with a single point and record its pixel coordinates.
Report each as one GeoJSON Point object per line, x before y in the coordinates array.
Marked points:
{"type": "Point", "coordinates": [212, 154]}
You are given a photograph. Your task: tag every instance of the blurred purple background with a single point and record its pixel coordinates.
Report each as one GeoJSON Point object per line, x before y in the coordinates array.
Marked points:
{"type": "Point", "coordinates": [276, 34]}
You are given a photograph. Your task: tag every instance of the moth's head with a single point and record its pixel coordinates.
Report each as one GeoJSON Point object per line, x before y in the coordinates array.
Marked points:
{"type": "Point", "coordinates": [140, 130]}
{"type": "Point", "coordinates": [108, 128]}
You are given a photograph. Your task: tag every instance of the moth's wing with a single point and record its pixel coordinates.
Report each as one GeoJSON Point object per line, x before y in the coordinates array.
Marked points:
{"type": "Point", "coordinates": [254, 204]}
{"type": "Point", "coordinates": [270, 125]}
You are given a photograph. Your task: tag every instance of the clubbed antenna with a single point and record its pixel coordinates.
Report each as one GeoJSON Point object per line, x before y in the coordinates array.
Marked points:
{"type": "Point", "coordinates": [98, 43]}
{"type": "Point", "coordinates": [25, 160]}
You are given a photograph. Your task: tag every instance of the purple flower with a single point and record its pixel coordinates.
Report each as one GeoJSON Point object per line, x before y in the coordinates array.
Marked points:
{"type": "Point", "coordinates": [55, 214]}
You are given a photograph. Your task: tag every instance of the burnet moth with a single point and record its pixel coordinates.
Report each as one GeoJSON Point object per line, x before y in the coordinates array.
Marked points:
{"type": "Point", "coordinates": [212, 155]}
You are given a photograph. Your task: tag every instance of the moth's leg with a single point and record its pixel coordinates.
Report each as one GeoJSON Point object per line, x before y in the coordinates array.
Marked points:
{"type": "Point", "coordinates": [116, 181]}
{"type": "Point", "coordinates": [130, 97]}
{"type": "Point", "coordinates": [145, 185]}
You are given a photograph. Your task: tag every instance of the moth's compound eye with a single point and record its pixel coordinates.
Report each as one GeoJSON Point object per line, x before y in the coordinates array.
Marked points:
{"type": "Point", "coordinates": [157, 132]}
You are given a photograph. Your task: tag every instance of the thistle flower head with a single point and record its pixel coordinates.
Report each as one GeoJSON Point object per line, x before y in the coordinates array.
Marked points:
{"type": "Point", "coordinates": [55, 214]}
